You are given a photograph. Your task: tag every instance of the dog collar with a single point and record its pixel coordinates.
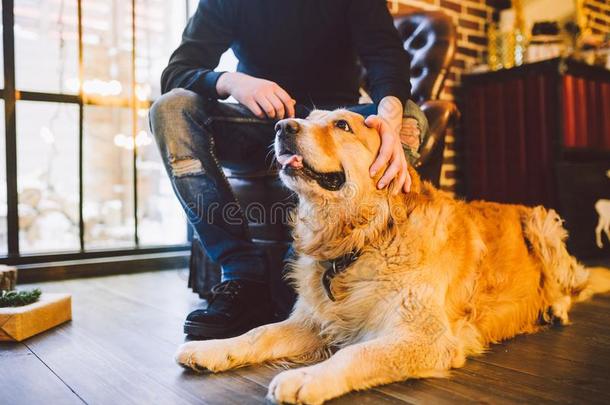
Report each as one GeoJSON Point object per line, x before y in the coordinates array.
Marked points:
{"type": "Point", "coordinates": [335, 267]}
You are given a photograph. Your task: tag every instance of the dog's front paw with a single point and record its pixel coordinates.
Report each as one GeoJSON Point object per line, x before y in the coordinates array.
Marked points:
{"type": "Point", "coordinates": [206, 356]}
{"type": "Point", "coordinates": [299, 386]}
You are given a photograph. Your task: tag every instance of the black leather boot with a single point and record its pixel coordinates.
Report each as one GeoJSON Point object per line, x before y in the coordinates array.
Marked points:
{"type": "Point", "coordinates": [236, 307]}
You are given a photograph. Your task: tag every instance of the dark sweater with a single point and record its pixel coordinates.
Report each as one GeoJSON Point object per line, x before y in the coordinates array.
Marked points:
{"type": "Point", "coordinates": [310, 48]}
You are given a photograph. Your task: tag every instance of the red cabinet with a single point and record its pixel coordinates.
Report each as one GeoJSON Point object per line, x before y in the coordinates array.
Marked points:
{"type": "Point", "coordinates": [540, 134]}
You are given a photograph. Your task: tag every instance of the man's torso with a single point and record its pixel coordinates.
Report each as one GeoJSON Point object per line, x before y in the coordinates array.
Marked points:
{"type": "Point", "coordinates": [303, 45]}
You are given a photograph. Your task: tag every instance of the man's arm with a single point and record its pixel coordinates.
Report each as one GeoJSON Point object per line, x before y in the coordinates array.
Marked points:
{"type": "Point", "coordinates": [379, 46]}
{"type": "Point", "coordinates": [387, 65]}
{"type": "Point", "coordinates": [207, 36]}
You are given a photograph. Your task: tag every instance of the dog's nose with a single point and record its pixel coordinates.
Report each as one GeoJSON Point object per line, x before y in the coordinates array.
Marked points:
{"type": "Point", "coordinates": [287, 127]}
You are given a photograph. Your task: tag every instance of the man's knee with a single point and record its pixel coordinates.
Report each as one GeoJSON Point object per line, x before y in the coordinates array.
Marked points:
{"type": "Point", "coordinates": [412, 110]}
{"type": "Point", "coordinates": [173, 105]}
{"type": "Point", "coordinates": [170, 118]}
{"type": "Point", "coordinates": [413, 133]}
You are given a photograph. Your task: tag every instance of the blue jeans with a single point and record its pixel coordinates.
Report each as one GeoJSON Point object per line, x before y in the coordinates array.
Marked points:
{"type": "Point", "coordinates": [197, 137]}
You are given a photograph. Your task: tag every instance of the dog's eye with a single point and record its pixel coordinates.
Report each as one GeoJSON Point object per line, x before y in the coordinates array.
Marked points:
{"type": "Point", "coordinates": [344, 125]}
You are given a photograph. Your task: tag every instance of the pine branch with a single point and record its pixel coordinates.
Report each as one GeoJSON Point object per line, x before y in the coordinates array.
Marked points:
{"type": "Point", "coordinates": [18, 298]}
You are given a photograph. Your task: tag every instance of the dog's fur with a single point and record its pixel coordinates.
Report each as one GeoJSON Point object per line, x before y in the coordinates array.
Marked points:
{"type": "Point", "coordinates": [437, 279]}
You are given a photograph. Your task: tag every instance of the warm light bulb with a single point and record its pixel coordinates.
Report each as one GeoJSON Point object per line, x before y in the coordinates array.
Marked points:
{"type": "Point", "coordinates": [114, 87]}
{"type": "Point", "coordinates": [120, 140]}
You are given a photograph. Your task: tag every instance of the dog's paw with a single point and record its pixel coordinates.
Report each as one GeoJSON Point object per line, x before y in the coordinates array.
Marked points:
{"type": "Point", "coordinates": [205, 356]}
{"type": "Point", "coordinates": [298, 386]}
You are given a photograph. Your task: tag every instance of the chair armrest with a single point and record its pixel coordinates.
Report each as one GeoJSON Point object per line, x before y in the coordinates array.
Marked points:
{"type": "Point", "coordinates": [441, 114]}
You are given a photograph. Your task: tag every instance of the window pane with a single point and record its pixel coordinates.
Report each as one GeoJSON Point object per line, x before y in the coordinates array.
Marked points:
{"type": "Point", "coordinates": [108, 178]}
{"type": "Point", "coordinates": [3, 208]}
{"type": "Point", "coordinates": [159, 26]}
{"type": "Point", "coordinates": [47, 153]}
{"type": "Point", "coordinates": [107, 47]}
{"type": "Point", "coordinates": [161, 220]}
{"type": "Point", "coordinates": [46, 30]}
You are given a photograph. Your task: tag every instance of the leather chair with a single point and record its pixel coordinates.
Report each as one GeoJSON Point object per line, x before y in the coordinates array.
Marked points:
{"type": "Point", "coordinates": [430, 40]}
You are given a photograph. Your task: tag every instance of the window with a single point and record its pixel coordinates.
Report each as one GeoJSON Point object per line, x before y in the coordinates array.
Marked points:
{"type": "Point", "coordinates": [83, 173]}
{"type": "Point", "coordinates": [47, 176]}
{"type": "Point", "coordinates": [108, 207]}
{"type": "Point", "coordinates": [3, 200]}
{"type": "Point", "coordinates": [46, 31]}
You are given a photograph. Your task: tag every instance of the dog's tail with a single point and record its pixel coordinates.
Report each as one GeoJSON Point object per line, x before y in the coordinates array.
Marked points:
{"type": "Point", "coordinates": [564, 280]}
{"type": "Point", "coordinates": [546, 235]}
{"type": "Point", "coordinates": [597, 283]}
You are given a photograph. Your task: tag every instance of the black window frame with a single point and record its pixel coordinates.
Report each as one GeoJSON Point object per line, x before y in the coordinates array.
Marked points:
{"type": "Point", "coordinates": [11, 95]}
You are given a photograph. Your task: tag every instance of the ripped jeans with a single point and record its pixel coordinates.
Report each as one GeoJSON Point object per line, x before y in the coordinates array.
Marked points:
{"type": "Point", "coordinates": [197, 137]}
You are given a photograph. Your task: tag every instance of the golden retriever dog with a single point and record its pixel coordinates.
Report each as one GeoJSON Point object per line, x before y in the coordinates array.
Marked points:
{"type": "Point", "coordinates": [396, 286]}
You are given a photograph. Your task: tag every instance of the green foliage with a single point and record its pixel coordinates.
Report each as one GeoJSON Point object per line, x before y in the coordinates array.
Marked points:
{"type": "Point", "coordinates": [18, 298]}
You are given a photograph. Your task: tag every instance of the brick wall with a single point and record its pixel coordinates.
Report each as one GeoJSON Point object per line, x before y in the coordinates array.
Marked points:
{"type": "Point", "coordinates": [471, 18]}
{"type": "Point", "coordinates": [598, 12]}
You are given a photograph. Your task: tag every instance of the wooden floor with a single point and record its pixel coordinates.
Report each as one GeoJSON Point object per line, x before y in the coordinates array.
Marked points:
{"type": "Point", "coordinates": [118, 350]}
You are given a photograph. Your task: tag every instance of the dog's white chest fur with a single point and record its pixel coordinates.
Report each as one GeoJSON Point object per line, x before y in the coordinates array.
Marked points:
{"type": "Point", "coordinates": [368, 298]}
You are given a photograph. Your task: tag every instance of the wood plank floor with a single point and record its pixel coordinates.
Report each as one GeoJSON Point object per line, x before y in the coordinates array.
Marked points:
{"type": "Point", "coordinates": [118, 350]}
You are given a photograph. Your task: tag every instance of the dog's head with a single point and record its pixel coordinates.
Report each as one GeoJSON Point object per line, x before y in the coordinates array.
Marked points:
{"type": "Point", "coordinates": [327, 153]}
{"type": "Point", "coordinates": [326, 160]}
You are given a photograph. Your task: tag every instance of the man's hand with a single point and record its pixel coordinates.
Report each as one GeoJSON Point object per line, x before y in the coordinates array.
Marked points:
{"type": "Point", "coordinates": [390, 152]}
{"type": "Point", "coordinates": [263, 97]}
{"type": "Point", "coordinates": [388, 123]}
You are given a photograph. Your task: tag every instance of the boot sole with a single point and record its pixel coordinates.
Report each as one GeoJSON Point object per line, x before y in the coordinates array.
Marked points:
{"type": "Point", "coordinates": [204, 331]}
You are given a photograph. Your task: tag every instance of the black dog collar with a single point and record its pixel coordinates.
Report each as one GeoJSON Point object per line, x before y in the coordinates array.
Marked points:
{"type": "Point", "coordinates": [335, 267]}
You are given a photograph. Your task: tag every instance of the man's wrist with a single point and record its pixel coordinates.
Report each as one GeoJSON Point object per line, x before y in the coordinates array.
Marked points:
{"type": "Point", "coordinates": [223, 84]}
{"type": "Point", "coordinates": [391, 109]}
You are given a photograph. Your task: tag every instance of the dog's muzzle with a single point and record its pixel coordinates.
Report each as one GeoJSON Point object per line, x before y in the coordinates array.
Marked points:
{"type": "Point", "coordinates": [292, 163]}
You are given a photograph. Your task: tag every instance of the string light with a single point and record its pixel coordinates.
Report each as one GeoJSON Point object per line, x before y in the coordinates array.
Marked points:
{"type": "Point", "coordinates": [121, 140]}
{"type": "Point", "coordinates": [95, 86]}
{"type": "Point", "coordinates": [127, 142]}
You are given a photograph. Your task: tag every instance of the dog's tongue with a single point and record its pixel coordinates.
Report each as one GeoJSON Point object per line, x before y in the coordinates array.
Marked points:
{"type": "Point", "coordinates": [294, 161]}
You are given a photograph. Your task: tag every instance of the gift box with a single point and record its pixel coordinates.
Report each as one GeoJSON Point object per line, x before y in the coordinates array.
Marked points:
{"type": "Point", "coordinates": [20, 323]}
